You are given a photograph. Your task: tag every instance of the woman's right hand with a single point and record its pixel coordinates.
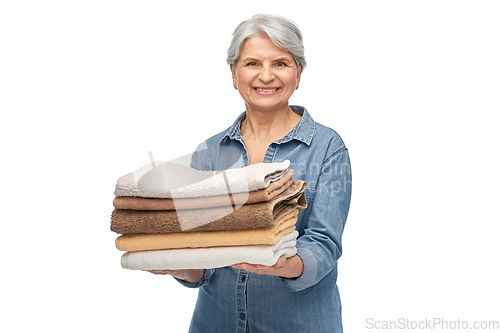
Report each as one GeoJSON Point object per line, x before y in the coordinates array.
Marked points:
{"type": "Point", "coordinates": [188, 275]}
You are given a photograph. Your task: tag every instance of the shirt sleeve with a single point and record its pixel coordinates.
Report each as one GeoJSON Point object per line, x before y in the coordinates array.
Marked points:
{"type": "Point", "coordinates": [320, 246]}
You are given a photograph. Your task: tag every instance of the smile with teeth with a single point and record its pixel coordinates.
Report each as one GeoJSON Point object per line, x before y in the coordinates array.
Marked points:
{"type": "Point", "coordinates": [266, 90]}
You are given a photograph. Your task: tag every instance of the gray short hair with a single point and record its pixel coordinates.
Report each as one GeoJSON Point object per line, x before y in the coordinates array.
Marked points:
{"type": "Point", "coordinates": [284, 33]}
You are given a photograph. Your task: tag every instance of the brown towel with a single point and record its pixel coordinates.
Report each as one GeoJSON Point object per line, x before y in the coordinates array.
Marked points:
{"type": "Point", "coordinates": [266, 194]}
{"type": "Point", "coordinates": [182, 240]}
{"type": "Point", "coordinates": [252, 216]}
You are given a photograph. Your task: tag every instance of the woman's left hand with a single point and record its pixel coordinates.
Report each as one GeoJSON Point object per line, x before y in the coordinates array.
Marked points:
{"type": "Point", "coordinates": [285, 267]}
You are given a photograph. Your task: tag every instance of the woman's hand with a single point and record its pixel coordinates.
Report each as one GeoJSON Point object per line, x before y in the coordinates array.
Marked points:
{"type": "Point", "coordinates": [188, 275]}
{"type": "Point", "coordinates": [285, 267]}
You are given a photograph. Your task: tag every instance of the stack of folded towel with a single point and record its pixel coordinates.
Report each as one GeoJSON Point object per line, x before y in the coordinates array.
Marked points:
{"type": "Point", "coordinates": [175, 217]}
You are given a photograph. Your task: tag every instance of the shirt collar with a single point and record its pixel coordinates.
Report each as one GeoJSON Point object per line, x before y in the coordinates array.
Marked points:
{"type": "Point", "coordinates": [303, 131]}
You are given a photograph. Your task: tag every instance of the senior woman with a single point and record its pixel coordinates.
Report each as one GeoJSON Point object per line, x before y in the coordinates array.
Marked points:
{"type": "Point", "coordinates": [297, 294]}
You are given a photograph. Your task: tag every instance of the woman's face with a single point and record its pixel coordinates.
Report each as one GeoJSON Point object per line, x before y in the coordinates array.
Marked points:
{"type": "Point", "coordinates": [265, 75]}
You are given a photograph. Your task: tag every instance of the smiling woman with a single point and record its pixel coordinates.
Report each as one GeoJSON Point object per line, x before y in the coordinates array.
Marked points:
{"type": "Point", "coordinates": [297, 294]}
{"type": "Point", "coordinates": [266, 76]}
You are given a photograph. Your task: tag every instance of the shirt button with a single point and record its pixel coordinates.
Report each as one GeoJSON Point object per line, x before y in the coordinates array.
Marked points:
{"type": "Point", "coordinates": [243, 278]}
{"type": "Point", "coordinates": [242, 316]}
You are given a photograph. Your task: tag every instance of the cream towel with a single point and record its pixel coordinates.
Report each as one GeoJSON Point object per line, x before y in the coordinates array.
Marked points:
{"type": "Point", "coordinates": [171, 180]}
{"type": "Point", "coordinates": [212, 257]}
{"type": "Point", "coordinates": [265, 236]}
{"type": "Point", "coordinates": [266, 194]}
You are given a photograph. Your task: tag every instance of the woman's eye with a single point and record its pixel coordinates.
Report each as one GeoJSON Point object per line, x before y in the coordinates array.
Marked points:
{"type": "Point", "coordinates": [252, 64]}
{"type": "Point", "coordinates": [280, 64]}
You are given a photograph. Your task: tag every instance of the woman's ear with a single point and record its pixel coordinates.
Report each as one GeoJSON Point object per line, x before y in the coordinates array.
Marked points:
{"type": "Point", "coordinates": [299, 73]}
{"type": "Point", "coordinates": [233, 74]}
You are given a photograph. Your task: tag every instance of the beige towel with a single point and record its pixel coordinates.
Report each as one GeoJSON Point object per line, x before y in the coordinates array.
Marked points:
{"type": "Point", "coordinates": [252, 216]}
{"type": "Point", "coordinates": [275, 188]}
{"type": "Point", "coordinates": [265, 236]}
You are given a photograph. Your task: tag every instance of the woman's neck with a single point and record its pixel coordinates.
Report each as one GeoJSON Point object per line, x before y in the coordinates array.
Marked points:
{"type": "Point", "coordinates": [268, 126]}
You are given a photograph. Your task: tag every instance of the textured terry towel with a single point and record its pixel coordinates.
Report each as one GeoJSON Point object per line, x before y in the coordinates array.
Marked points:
{"type": "Point", "coordinates": [258, 215]}
{"type": "Point", "coordinates": [212, 257]}
{"type": "Point", "coordinates": [171, 180]}
{"type": "Point", "coordinates": [266, 194]}
{"type": "Point", "coordinates": [181, 240]}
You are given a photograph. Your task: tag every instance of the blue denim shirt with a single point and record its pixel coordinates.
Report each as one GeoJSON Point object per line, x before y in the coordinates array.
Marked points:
{"type": "Point", "coordinates": [232, 300]}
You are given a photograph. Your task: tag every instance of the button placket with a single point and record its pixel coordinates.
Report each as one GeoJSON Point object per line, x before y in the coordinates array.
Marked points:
{"type": "Point", "coordinates": [242, 300]}
{"type": "Point", "coordinates": [271, 150]}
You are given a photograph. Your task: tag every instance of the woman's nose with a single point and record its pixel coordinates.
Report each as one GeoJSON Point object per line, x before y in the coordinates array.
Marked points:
{"type": "Point", "coordinates": [266, 74]}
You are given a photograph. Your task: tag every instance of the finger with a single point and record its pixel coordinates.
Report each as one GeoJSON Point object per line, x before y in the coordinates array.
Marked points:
{"type": "Point", "coordinates": [162, 271]}
{"type": "Point", "coordinates": [280, 263]}
{"type": "Point", "coordinates": [155, 272]}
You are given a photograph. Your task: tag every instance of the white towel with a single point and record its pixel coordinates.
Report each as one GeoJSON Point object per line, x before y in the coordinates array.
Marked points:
{"type": "Point", "coordinates": [212, 257]}
{"type": "Point", "coordinates": [171, 180]}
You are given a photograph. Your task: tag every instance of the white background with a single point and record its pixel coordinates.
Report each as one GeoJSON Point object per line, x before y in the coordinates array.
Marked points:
{"type": "Point", "coordinates": [87, 88]}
